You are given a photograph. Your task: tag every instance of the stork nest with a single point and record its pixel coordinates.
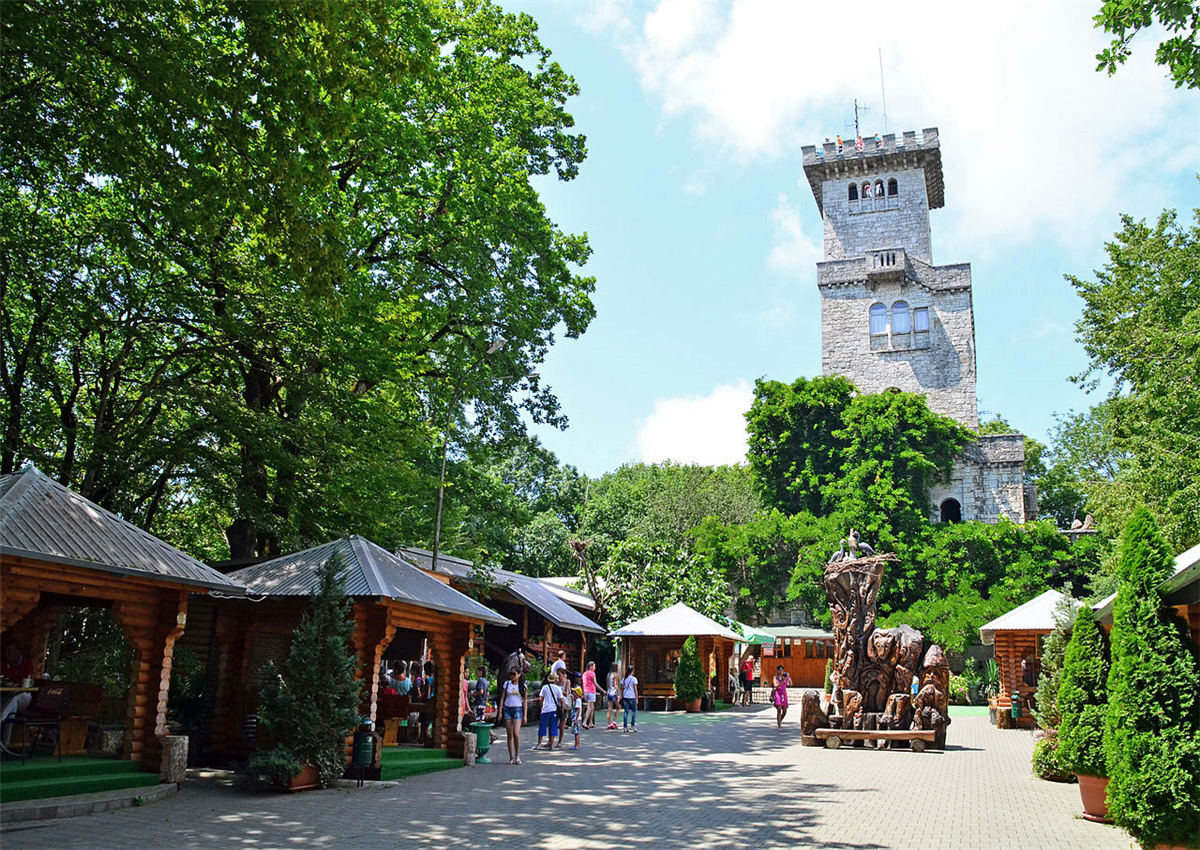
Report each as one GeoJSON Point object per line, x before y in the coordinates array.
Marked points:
{"type": "Point", "coordinates": [861, 565]}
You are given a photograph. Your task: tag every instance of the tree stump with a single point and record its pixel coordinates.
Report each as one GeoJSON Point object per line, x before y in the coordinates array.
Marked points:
{"type": "Point", "coordinates": [174, 759]}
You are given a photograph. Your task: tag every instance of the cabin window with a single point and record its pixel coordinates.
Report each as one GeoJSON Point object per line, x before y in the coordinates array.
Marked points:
{"type": "Point", "coordinates": [951, 511]}
{"type": "Point", "coordinates": [820, 647]}
{"type": "Point", "coordinates": [787, 648]}
{"type": "Point", "coordinates": [900, 318]}
{"type": "Point", "coordinates": [878, 319]}
{"type": "Point", "coordinates": [920, 318]}
{"type": "Point", "coordinates": [893, 188]}
{"type": "Point", "coordinates": [853, 192]}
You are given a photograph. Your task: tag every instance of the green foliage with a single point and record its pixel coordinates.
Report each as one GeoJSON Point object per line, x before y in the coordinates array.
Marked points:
{"type": "Point", "coordinates": [88, 645]}
{"type": "Point", "coordinates": [1141, 326]}
{"type": "Point", "coordinates": [990, 678]}
{"type": "Point", "coordinates": [1152, 729]}
{"type": "Point", "coordinates": [689, 676]}
{"type": "Point", "coordinates": [1048, 759]}
{"type": "Point", "coordinates": [250, 250]}
{"type": "Point", "coordinates": [647, 577]}
{"type": "Point", "coordinates": [1179, 54]}
{"type": "Point", "coordinates": [959, 692]}
{"type": "Point", "coordinates": [793, 451]}
{"type": "Point", "coordinates": [310, 705]}
{"type": "Point", "coordinates": [272, 768]}
{"type": "Point", "coordinates": [1083, 697]}
{"type": "Point", "coordinates": [760, 558]}
{"type": "Point", "coordinates": [1054, 650]}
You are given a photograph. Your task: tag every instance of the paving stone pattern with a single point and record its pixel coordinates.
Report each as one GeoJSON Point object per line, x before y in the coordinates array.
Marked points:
{"type": "Point", "coordinates": [726, 780]}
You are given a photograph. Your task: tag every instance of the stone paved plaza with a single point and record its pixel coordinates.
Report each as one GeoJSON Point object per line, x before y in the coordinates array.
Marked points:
{"type": "Point", "coordinates": [719, 780]}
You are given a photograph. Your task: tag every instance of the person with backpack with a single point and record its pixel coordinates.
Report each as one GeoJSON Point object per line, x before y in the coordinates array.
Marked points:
{"type": "Point", "coordinates": [512, 708]}
{"type": "Point", "coordinates": [552, 700]}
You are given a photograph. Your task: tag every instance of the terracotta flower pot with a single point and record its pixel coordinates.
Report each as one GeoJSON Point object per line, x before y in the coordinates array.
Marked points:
{"type": "Point", "coordinates": [306, 779]}
{"type": "Point", "coordinates": [1092, 790]}
{"type": "Point", "coordinates": [693, 706]}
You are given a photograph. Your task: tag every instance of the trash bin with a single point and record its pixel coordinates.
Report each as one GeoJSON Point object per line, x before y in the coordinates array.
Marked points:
{"type": "Point", "coordinates": [483, 735]}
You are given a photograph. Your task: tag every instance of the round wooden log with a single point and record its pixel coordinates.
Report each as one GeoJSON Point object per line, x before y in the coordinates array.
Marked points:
{"type": "Point", "coordinates": [918, 746]}
{"type": "Point", "coordinates": [833, 742]}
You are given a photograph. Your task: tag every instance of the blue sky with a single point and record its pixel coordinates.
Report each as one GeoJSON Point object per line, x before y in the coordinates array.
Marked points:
{"type": "Point", "coordinates": [705, 234]}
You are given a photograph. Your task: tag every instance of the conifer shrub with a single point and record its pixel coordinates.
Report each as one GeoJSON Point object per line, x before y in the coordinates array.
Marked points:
{"type": "Point", "coordinates": [310, 704]}
{"type": "Point", "coordinates": [1083, 698]}
{"type": "Point", "coordinates": [1047, 759]}
{"type": "Point", "coordinates": [1152, 744]}
{"type": "Point", "coordinates": [689, 678]}
{"type": "Point", "coordinates": [829, 676]}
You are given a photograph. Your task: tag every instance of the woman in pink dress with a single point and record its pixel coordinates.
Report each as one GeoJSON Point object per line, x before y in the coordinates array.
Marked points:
{"type": "Point", "coordinates": [782, 682]}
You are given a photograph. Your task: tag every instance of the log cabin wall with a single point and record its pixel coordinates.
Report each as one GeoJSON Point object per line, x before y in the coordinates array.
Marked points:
{"type": "Point", "coordinates": [803, 659]}
{"type": "Point", "coordinates": [152, 614]}
{"type": "Point", "coordinates": [1010, 648]}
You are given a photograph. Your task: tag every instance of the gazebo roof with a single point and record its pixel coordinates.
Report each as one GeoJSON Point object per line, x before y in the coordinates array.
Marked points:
{"type": "Point", "coordinates": [677, 621]}
{"type": "Point", "coordinates": [42, 520]}
{"type": "Point", "coordinates": [1182, 588]}
{"type": "Point", "coordinates": [536, 593]}
{"type": "Point", "coordinates": [371, 570]}
{"type": "Point", "coordinates": [1036, 615]}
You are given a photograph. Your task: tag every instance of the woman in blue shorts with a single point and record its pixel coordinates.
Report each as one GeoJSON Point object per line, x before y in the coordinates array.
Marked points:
{"type": "Point", "coordinates": [552, 697]}
{"type": "Point", "coordinates": [512, 707]}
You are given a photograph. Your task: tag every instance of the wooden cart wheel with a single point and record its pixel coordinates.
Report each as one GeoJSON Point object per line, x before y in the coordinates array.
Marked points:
{"type": "Point", "coordinates": [918, 746]}
{"type": "Point", "coordinates": [833, 742]}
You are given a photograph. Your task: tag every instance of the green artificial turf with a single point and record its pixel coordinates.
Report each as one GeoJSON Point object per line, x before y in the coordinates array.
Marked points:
{"type": "Point", "coordinates": [44, 776]}
{"type": "Point", "coordinates": [400, 762]}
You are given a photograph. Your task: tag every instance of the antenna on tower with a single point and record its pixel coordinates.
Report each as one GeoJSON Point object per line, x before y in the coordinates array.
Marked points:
{"type": "Point", "coordinates": [857, 109]}
{"type": "Point", "coordinates": [882, 92]}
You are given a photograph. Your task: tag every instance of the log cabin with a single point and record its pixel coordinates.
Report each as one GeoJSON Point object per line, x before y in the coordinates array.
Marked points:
{"type": "Point", "coordinates": [652, 645]}
{"type": "Point", "coordinates": [394, 603]}
{"type": "Point", "coordinates": [800, 650]}
{"type": "Point", "coordinates": [59, 550]}
{"type": "Point", "coordinates": [1180, 592]}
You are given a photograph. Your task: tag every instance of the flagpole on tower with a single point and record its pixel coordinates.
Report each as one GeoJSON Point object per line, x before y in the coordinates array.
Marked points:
{"type": "Point", "coordinates": [882, 92]}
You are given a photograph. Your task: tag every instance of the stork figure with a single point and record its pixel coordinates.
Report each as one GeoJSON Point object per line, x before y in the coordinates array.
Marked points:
{"type": "Point", "coordinates": [840, 554]}
{"type": "Point", "coordinates": [857, 547]}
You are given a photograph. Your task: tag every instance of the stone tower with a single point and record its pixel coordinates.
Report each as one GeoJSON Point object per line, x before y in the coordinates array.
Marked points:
{"type": "Point", "coordinates": [890, 318]}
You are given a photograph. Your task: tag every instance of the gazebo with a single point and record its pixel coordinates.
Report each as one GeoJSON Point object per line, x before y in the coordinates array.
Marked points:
{"type": "Point", "coordinates": [394, 601]}
{"type": "Point", "coordinates": [1016, 637]}
{"type": "Point", "coordinates": [652, 645]}
{"type": "Point", "coordinates": [57, 549]}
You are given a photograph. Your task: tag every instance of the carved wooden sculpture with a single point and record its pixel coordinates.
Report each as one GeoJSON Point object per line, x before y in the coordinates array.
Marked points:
{"type": "Point", "coordinates": [873, 669]}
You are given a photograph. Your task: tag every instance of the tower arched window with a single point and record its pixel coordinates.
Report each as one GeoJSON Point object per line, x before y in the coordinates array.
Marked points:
{"type": "Point", "coordinates": [901, 323]}
{"type": "Point", "coordinates": [853, 192]}
{"type": "Point", "coordinates": [878, 319]}
{"type": "Point", "coordinates": [893, 188]}
{"type": "Point", "coordinates": [866, 191]}
{"type": "Point", "coordinates": [879, 189]}
{"type": "Point", "coordinates": [951, 511]}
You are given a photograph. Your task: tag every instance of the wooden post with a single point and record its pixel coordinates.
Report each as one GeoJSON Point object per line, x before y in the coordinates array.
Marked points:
{"type": "Point", "coordinates": [582, 650]}
{"type": "Point", "coordinates": [547, 635]}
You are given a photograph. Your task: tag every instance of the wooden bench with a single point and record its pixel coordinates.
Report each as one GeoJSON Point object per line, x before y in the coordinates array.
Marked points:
{"type": "Point", "coordinates": [918, 738]}
{"type": "Point", "coordinates": [656, 690]}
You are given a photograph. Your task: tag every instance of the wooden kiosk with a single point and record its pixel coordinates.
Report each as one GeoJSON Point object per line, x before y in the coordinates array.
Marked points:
{"type": "Point", "coordinates": [651, 646]}
{"type": "Point", "coordinates": [59, 549]}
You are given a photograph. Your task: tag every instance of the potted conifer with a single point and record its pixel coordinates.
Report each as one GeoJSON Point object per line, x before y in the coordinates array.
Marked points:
{"type": "Point", "coordinates": [1082, 704]}
{"type": "Point", "coordinates": [689, 677]}
{"type": "Point", "coordinates": [309, 705]}
{"type": "Point", "coordinates": [1152, 731]}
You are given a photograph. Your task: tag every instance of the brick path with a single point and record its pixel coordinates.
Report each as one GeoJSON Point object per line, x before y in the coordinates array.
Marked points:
{"type": "Point", "coordinates": [709, 781]}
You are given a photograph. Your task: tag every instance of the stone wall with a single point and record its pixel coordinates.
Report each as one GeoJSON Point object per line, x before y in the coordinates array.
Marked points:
{"type": "Point", "coordinates": [939, 363]}
{"type": "Point", "coordinates": [852, 228]}
{"type": "Point", "coordinates": [987, 480]}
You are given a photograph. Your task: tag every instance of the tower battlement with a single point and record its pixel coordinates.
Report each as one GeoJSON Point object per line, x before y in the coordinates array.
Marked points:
{"type": "Point", "coordinates": [909, 151]}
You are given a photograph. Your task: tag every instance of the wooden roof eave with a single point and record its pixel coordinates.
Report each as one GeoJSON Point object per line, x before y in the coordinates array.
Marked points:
{"type": "Point", "coordinates": [167, 582]}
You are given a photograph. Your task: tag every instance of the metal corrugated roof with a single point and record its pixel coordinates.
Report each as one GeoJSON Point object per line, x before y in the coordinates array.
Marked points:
{"type": "Point", "coordinates": [1035, 615]}
{"type": "Point", "coordinates": [561, 585]}
{"type": "Point", "coordinates": [677, 621]}
{"type": "Point", "coordinates": [43, 520]}
{"type": "Point", "coordinates": [797, 632]}
{"type": "Point", "coordinates": [535, 593]}
{"type": "Point", "coordinates": [1182, 588]}
{"type": "Point", "coordinates": [370, 570]}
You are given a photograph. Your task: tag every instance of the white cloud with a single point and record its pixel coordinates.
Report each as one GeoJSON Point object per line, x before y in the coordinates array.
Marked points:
{"type": "Point", "coordinates": [793, 252]}
{"type": "Point", "coordinates": [707, 429]}
{"type": "Point", "coordinates": [1033, 137]}
{"type": "Point", "coordinates": [694, 184]}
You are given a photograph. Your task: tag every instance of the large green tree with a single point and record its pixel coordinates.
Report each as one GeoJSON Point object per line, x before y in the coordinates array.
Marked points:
{"type": "Point", "coordinates": [1179, 52]}
{"type": "Point", "coordinates": [1141, 327]}
{"type": "Point", "coordinates": [252, 249]}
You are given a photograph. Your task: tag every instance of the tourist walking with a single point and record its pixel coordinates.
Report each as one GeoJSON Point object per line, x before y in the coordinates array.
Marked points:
{"type": "Point", "coordinates": [589, 696]}
{"type": "Point", "coordinates": [612, 696]}
{"type": "Point", "coordinates": [552, 697]}
{"type": "Point", "coordinates": [560, 664]}
{"type": "Point", "coordinates": [747, 678]}
{"type": "Point", "coordinates": [482, 686]}
{"type": "Point", "coordinates": [782, 682]}
{"type": "Point", "coordinates": [629, 697]}
{"type": "Point", "coordinates": [512, 709]}
{"type": "Point", "coordinates": [564, 708]}
{"type": "Point", "coordinates": [576, 715]}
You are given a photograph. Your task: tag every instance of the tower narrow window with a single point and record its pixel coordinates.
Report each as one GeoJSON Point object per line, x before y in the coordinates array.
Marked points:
{"type": "Point", "coordinates": [900, 318]}
{"type": "Point", "coordinates": [893, 188]}
{"type": "Point", "coordinates": [853, 192]}
{"type": "Point", "coordinates": [879, 189]}
{"type": "Point", "coordinates": [878, 319]}
{"type": "Point", "coordinates": [920, 318]}
{"type": "Point", "coordinates": [866, 191]}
